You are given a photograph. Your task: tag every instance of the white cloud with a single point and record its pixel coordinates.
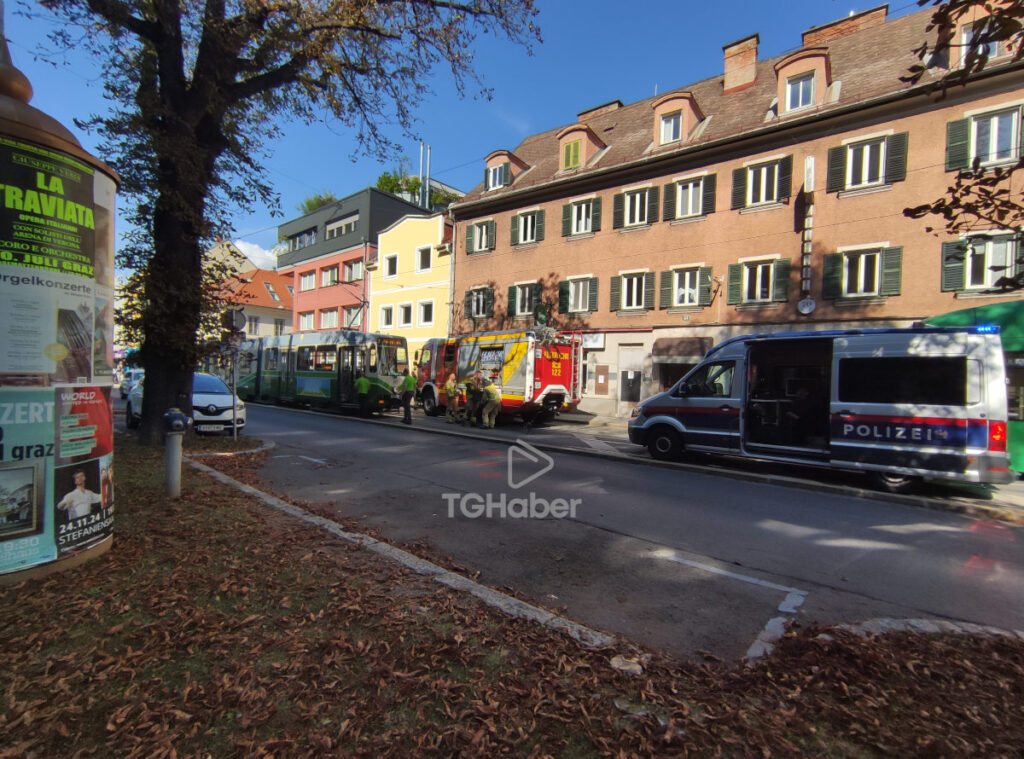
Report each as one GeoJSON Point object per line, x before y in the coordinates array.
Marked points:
{"type": "Point", "coordinates": [260, 257]}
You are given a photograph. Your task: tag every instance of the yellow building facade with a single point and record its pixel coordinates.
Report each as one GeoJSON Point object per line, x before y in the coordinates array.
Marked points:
{"type": "Point", "coordinates": [410, 287]}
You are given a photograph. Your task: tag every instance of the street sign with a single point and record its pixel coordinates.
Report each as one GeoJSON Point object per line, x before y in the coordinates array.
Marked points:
{"type": "Point", "coordinates": [233, 319]}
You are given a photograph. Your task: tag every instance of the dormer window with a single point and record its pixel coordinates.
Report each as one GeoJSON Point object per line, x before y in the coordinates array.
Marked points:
{"type": "Point", "coordinates": [577, 145]}
{"type": "Point", "coordinates": [671, 127]}
{"type": "Point", "coordinates": [676, 118]}
{"type": "Point", "coordinates": [800, 91]}
{"type": "Point", "coordinates": [571, 152]}
{"type": "Point", "coordinates": [498, 176]}
{"type": "Point", "coordinates": [981, 49]}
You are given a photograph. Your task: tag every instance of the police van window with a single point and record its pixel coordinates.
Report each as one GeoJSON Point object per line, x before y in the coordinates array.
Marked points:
{"type": "Point", "coordinates": [711, 380]}
{"type": "Point", "coordinates": [925, 381]}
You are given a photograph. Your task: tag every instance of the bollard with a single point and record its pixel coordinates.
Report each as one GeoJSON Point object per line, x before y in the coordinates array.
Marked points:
{"type": "Point", "coordinates": [175, 424]}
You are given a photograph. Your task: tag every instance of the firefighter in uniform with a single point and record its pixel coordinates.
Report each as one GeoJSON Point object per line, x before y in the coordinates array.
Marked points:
{"type": "Point", "coordinates": [474, 399]}
{"type": "Point", "coordinates": [451, 390]}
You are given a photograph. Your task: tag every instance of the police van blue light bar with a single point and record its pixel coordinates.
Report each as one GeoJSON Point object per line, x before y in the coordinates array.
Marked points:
{"type": "Point", "coordinates": [987, 329]}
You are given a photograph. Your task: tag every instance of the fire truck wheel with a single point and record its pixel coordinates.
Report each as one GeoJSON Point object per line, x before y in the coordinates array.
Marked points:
{"type": "Point", "coordinates": [665, 444]}
{"type": "Point", "coordinates": [430, 407]}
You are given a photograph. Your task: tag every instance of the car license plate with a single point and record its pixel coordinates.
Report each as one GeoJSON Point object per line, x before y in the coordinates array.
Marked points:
{"type": "Point", "coordinates": [209, 428]}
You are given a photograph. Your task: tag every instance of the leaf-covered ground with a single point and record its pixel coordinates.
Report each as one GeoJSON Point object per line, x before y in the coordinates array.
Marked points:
{"type": "Point", "coordinates": [218, 628]}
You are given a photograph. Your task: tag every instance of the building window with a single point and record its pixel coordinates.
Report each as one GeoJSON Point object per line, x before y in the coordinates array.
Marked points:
{"type": "Point", "coordinates": [995, 137]}
{"type": "Point", "coordinates": [757, 281]}
{"type": "Point", "coordinates": [426, 313]}
{"type": "Point", "coordinates": [633, 291]}
{"type": "Point", "coordinates": [423, 258]}
{"type": "Point", "coordinates": [273, 293]}
{"type": "Point", "coordinates": [307, 281]}
{"type": "Point", "coordinates": [686, 287]}
{"type": "Point", "coordinates": [671, 124]}
{"type": "Point", "coordinates": [579, 295]}
{"type": "Point", "coordinates": [306, 320]}
{"type": "Point", "coordinates": [636, 207]}
{"type": "Point", "coordinates": [524, 299]}
{"type": "Point", "coordinates": [688, 198]}
{"type": "Point", "coordinates": [353, 270]}
{"type": "Point", "coordinates": [980, 49]}
{"type": "Point", "coordinates": [865, 164]}
{"type": "Point", "coordinates": [405, 314]}
{"type": "Point", "coordinates": [762, 184]}
{"type": "Point", "coordinates": [302, 239]}
{"type": "Point", "coordinates": [291, 290]}
{"type": "Point", "coordinates": [353, 317]}
{"type": "Point", "coordinates": [581, 217]}
{"type": "Point", "coordinates": [480, 302]}
{"type": "Point", "coordinates": [861, 273]}
{"type": "Point", "coordinates": [480, 236]}
{"type": "Point", "coordinates": [571, 154]}
{"type": "Point", "coordinates": [527, 227]}
{"type": "Point", "coordinates": [342, 226]}
{"type": "Point", "coordinates": [387, 317]}
{"type": "Point", "coordinates": [278, 327]}
{"type": "Point", "coordinates": [498, 176]}
{"type": "Point", "coordinates": [800, 91]}
{"type": "Point", "coordinates": [391, 266]}
{"type": "Point", "coordinates": [253, 325]}
{"type": "Point", "coordinates": [329, 276]}
{"type": "Point", "coordinates": [988, 259]}
{"type": "Point", "coordinates": [329, 318]}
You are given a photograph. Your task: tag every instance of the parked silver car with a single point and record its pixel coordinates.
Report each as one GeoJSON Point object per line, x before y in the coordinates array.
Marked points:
{"type": "Point", "coordinates": [211, 405]}
{"type": "Point", "coordinates": [131, 376]}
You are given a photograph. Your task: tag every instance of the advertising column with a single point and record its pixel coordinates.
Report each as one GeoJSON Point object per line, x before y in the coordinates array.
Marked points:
{"type": "Point", "coordinates": [56, 353]}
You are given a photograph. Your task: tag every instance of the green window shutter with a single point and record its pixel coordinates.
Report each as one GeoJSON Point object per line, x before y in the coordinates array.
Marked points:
{"type": "Point", "coordinates": [953, 254]}
{"type": "Point", "coordinates": [669, 210]}
{"type": "Point", "coordinates": [892, 271]}
{"type": "Point", "coordinates": [489, 301]}
{"type": "Point", "coordinates": [958, 144]}
{"type": "Point", "coordinates": [511, 300]}
{"type": "Point", "coordinates": [832, 276]}
{"type": "Point", "coordinates": [595, 215]}
{"type": "Point", "coordinates": [469, 238]}
{"type": "Point", "coordinates": [615, 294]}
{"type": "Point", "coordinates": [665, 296]}
{"type": "Point", "coordinates": [592, 295]}
{"type": "Point", "coordinates": [649, 290]}
{"type": "Point", "coordinates": [704, 286]}
{"type": "Point", "coordinates": [491, 234]}
{"type": "Point", "coordinates": [1018, 261]}
{"type": "Point", "coordinates": [538, 296]}
{"type": "Point", "coordinates": [734, 289]}
{"type": "Point", "coordinates": [506, 173]}
{"type": "Point", "coordinates": [567, 220]}
{"type": "Point", "coordinates": [563, 296]}
{"type": "Point", "coordinates": [780, 280]}
{"type": "Point", "coordinates": [896, 157]}
{"type": "Point", "coordinates": [468, 304]}
{"type": "Point", "coordinates": [708, 190]}
{"type": "Point", "coordinates": [514, 229]}
{"type": "Point", "coordinates": [785, 177]}
{"type": "Point", "coordinates": [618, 210]}
{"type": "Point", "coordinates": [739, 189]}
{"type": "Point", "coordinates": [487, 179]}
{"type": "Point", "coordinates": [836, 179]}
{"type": "Point", "coordinates": [540, 225]}
{"type": "Point", "coordinates": [652, 205]}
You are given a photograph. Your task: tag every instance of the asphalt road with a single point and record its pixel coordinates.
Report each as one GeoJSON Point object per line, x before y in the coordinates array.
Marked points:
{"type": "Point", "coordinates": [682, 561]}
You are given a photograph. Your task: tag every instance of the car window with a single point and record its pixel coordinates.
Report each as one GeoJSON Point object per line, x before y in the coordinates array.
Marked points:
{"type": "Point", "coordinates": [207, 383]}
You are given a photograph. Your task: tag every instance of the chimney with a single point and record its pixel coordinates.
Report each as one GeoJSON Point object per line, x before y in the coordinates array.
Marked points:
{"type": "Point", "coordinates": [598, 110]}
{"type": "Point", "coordinates": [855, 22]}
{"type": "Point", "coordinates": [740, 63]}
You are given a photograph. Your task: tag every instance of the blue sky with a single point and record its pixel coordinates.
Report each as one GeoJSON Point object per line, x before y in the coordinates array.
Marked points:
{"type": "Point", "coordinates": [594, 51]}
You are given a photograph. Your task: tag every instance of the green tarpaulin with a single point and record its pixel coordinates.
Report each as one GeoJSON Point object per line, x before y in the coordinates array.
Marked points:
{"type": "Point", "coordinates": [1009, 317]}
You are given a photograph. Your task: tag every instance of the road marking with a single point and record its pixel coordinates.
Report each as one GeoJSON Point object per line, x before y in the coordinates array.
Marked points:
{"type": "Point", "coordinates": [599, 445]}
{"type": "Point", "coordinates": [315, 461]}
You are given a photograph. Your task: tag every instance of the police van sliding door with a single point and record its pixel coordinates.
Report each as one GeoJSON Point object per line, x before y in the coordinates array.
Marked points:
{"type": "Point", "coordinates": [904, 402]}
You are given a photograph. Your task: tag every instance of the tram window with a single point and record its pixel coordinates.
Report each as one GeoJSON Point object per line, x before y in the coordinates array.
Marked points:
{"type": "Point", "coordinates": [326, 358]}
{"type": "Point", "coordinates": [401, 359]}
{"type": "Point", "coordinates": [304, 359]}
{"type": "Point", "coordinates": [270, 359]}
{"type": "Point", "coordinates": [373, 358]}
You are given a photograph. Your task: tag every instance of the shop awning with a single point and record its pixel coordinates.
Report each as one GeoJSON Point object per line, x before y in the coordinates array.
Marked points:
{"type": "Point", "coordinates": [1009, 317]}
{"type": "Point", "coordinates": [680, 350]}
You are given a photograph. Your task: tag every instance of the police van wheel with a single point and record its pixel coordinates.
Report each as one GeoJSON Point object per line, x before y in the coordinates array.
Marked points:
{"type": "Point", "coordinates": [895, 483]}
{"type": "Point", "coordinates": [665, 444]}
{"type": "Point", "coordinates": [429, 404]}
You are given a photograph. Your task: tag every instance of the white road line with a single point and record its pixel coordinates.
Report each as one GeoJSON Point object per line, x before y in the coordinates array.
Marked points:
{"type": "Point", "coordinates": [315, 461]}
{"type": "Point", "coordinates": [599, 445]}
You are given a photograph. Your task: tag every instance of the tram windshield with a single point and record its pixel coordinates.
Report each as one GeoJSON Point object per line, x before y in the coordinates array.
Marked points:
{"type": "Point", "coordinates": [392, 358]}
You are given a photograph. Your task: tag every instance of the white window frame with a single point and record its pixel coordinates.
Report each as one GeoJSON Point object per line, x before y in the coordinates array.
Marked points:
{"type": "Point", "coordinates": [671, 127]}
{"type": "Point", "coordinates": [695, 196]}
{"type": "Point", "coordinates": [480, 237]}
{"type": "Point", "coordinates": [527, 227]}
{"type": "Point", "coordinates": [494, 176]}
{"type": "Point", "coordinates": [252, 326]}
{"type": "Point", "coordinates": [579, 295]}
{"type": "Point", "coordinates": [327, 274]}
{"type": "Point", "coordinates": [986, 260]}
{"type": "Point", "coordinates": [353, 317]}
{"type": "Point", "coordinates": [278, 327]}
{"type": "Point", "coordinates": [524, 298]}
{"type": "Point", "coordinates": [686, 281]}
{"type": "Point", "coordinates": [856, 281]}
{"type": "Point", "coordinates": [419, 258]}
{"type": "Point", "coordinates": [582, 216]}
{"type": "Point", "coordinates": [420, 321]}
{"type": "Point", "coordinates": [400, 316]}
{"type": "Point", "coordinates": [478, 301]}
{"type": "Point", "coordinates": [991, 116]}
{"type": "Point", "coordinates": [329, 318]}
{"type": "Point", "coordinates": [767, 175]}
{"type": "Point", "coordinates": [634, 207]}
{"type": "Point", "coordinates": [307, 281]}
{"type": "Point", "coordinates": [388, 259]}
{"type": "Point", "coordinates": [306, 320]}
{"type": "Point", "coordinates": [633, 291]}
{"type": "Point", "coordinates": [853, 163]}
{"type": "Point", "coordinates": [352, 271]}
{"type": "Point", "coordinates": [387, 317]}
{"type": "Point", "coordinates": [754, 279]}
{"type": "Point", "coordinates": [273, 293]}
{"type": "Point", "coordinates": [795, 85]}
{"type": "Point", "coordinates": [966, 35]}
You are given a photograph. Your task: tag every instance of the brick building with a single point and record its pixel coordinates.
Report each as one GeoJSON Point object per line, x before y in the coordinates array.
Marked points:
{"type": "Point", "coordinates": [767, 198]}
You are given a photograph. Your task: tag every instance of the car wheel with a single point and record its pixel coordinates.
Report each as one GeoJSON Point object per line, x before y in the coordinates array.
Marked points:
{"type": "Point", "coordinates": [895, 483]}
{"type": "Point", "coordinates": [665, 444]}
{"type": "Point", "coordinates": [130, 420]}
{"type": "Point", "coordinates": [430, 407]}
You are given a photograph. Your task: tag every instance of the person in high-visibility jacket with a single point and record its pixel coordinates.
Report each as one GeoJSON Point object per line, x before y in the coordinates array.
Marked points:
{"type": "Point", "coordinates": [362, 388]}
{"type": "Point", "coordinates": [474, 399]}
{"type": "Point", "coordinates": [492, 403]}
{"type": "Point", "coordinates": [451, 391]}
{"type": "Point", "coordinates": [408, 389]}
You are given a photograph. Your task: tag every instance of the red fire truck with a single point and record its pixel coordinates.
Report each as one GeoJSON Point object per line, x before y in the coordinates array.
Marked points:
{"type": "Point", "coordinates": [539, 371]}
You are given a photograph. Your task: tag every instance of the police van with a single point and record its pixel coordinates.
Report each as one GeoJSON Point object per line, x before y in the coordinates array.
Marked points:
{"type": "Point", "coordinates": [901, 404]}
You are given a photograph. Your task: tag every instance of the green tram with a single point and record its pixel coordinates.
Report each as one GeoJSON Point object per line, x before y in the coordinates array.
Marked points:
{"type": "Point", "coordinates": [318, 369]}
